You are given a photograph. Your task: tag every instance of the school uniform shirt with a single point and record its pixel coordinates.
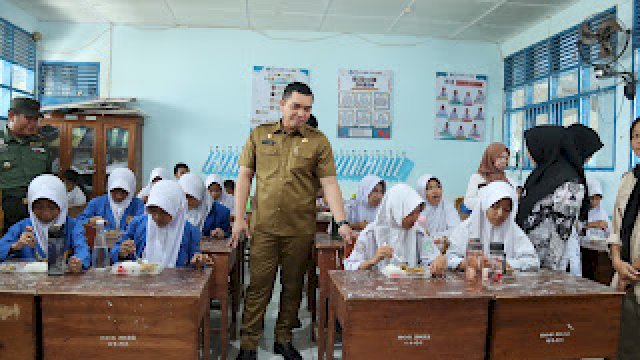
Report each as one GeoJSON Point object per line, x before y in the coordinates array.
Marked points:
{"type": "Point", "coordinates": [101, 206]}
{"type": "Point", "coordinates": [359, 209]}
{"type": "Point", "coordinates": [440, 220]}
{"type": "Point", "coordinates": [218, 218]}
{"type": "Point", "coordinates": [76, 197]}
{"type": "Point", "coordinates": [227, 200]}
{"type": "Point", "coordinates": [519, 251]}
{"type": "Point", "coordinates": [75, 242]}
{"type": "Point", "coordinates": [137, 231]}
{"type": "Point", "coordinates": [410, 245]}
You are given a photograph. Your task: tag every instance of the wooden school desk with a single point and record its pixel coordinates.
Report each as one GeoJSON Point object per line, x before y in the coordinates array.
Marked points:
{"type": "Point", "coordinates": [18, 315]}
{"type": "Point", "coordinates": [406, 319]}
{"type": "Point", "coordinates": [554, 315]}
{"type": "Point", "coordinates": [98, 315]}
{"type": "Point", "coordinates": [225, 280]}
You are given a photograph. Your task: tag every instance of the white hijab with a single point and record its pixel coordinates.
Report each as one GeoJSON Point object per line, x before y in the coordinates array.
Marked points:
{"type": "Point", "coordinates": [439, 218]}
{"type": "Point", "coordinates": [397, 203]}
{"type": "Point", "coordinates": [121, 178]}
{"type": "Point", "coordinates": [193, 185]}
{"type": "Point", "coordinates": [361, 209]}
{"type": "Point", "coordinates": [163, 244]}
{"type": "Point", "coordinates": [52, 188]}
{"type": "Point", "coordinates": [481, 228]}
{"type": "Point", "coordinates": [225, 199]}
{"type": "Point", "coordinates": [158, 172]}
{"type": "Point", "coordinates": [598, 213]}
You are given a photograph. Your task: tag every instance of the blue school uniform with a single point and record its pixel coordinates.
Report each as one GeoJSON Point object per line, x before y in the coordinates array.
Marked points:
{"type": "Point", "coordinates": [218, 218]}
{"type": "Point", "coordinates": [137, 231]}
{"type": "Point", "coordinates": [75, 241]}
{"type": "Point", "coordinates": [100, 206]}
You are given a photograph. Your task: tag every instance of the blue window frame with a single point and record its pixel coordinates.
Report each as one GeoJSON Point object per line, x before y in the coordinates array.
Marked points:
{"type": "Point", "coordinates": [547, 83]}
{"type": "Point", "coordinates": [17, 65]}
{"type": "Point", "coordinates": [67, 82]}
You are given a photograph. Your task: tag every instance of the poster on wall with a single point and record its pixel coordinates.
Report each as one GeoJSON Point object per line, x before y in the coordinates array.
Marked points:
{"type": "Point", "coordinates": [268, 85]}
{"type": "Point", "coordinates": [460, 107]}
{"type": "Point", "coordinates": [364, 104]}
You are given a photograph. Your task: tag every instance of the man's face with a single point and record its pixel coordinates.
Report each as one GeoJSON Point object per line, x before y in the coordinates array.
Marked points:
{"type": "Point", "coordinates": [296, 110]}
{"type": "Point", "coordinates": [21, 125]}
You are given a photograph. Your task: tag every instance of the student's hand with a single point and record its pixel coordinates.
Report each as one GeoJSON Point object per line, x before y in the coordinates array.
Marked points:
{"type": "Point", "coordinates": [240, 228]}
{"type": "Point", "coordinates": [346, 233]}
{"type": "Point", "coordinates": [626, 272]}
{"type": "Point", "coordinates": [439, 266]}
{"type": "Point", "coordinates": [384, 252]}
{"type": "Point", "coordinates": [199, 260]}
{"type": "Point", "coordinates": [603, 225]}
{"type": "Point", "coordinates": [26, 239]}
{"type": "Point", "coordinates": [145, 199]}
{"type": "Point", "coordinates": [127, 248]}
{"type": "Point", "coordinates": [94, 219]}
{"type": "Point", "coordinates": [75, 265]}
{"type": "Point", "coordinates": [217, 233]}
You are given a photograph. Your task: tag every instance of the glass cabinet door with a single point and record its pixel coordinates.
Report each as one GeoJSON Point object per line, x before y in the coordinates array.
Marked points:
{"type": "Point", "coordinates": [117, 141]}
{"type": "Point", "coordinates": [54, 149]}
{"type": "Point", "coordinates": [82, 155]}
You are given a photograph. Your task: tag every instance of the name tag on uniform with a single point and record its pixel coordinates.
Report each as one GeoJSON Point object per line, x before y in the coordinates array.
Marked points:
{"type": "Point", "coordinates": [36, 143]}
{"type": "Point", "coordinates": [40, 150]}
{"type": "Point", "coordinates": [268, 142]}
{"type": "Point", "coordinates": [6, 165]}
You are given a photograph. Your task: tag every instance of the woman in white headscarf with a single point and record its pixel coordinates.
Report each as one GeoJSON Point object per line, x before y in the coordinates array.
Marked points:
{"type": "Point", "coordinates": [394, 235]}
{"type": "Point", "coordinates": [215, 186]}
{"type": "Point", "coordinates": [118, 206]}
{"type": "Point", "coordinates": [439, 217]}
{"type": "Point", "coordinates": [198, 202]}
{"type": "Point", "coordinates": [48, 205]}
{"type": "Point", "coordinates": [162, 235]}
{"type": "Point", "coordinates": [156, 175]}
{"type": "Point", "coordinates": [492, 221]}
{"type": "Point", "coordinates": [363, 209]}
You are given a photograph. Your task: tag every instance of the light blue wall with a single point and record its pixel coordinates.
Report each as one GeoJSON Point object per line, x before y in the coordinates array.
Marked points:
{"type": "Point", "coordinates": [195, 86]}
{"type": "Point", "coordinates": [564, 20]}
{"type": "Point", "coordinates": [17, 16]}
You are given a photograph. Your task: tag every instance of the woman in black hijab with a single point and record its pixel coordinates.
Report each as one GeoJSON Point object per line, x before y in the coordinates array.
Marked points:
{"type": "Point", "coordinates": [553, 194]}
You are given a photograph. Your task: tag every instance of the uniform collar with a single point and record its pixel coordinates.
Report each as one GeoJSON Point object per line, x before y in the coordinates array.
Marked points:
{"type": "Point", "coordinates": [302, 131]}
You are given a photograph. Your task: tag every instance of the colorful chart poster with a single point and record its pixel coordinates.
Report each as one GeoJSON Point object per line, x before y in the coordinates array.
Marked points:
{"type": "Point", "coordinates": [364, 104]}
{"type": "Point", "coordinates": [460, 107]}
{"type": "Point", "coordinates": [268, 85]}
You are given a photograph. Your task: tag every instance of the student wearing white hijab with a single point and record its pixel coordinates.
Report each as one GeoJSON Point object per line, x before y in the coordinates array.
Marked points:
{"type": "Point", "coordinates": [394, 235]}
{"type": "Point", "coordinates": [162, 235]}
{"type": "Point", "coordinates": [48, 205]}
{"type": "Point", "coordinates": [156, 175]}
{"type": "Point", "coordinates": [493, 221]}
{"type": "Point", "coordinates": [363, 209]}
{"type": "Point", "coordinates": [215, 186]}
{"type": "Point", "coordinates": [198, 202]}
{"type": "Point", "coordinates": [439, 217]}
{"type": "Point", "coordinates": [118, 206]}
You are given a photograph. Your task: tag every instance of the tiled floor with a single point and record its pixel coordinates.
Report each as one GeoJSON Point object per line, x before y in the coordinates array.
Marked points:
{"type": "Point", "coordinates": [301, 337]}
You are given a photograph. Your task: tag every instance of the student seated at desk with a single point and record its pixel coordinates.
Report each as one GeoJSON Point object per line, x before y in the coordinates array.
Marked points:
{"type": "Point", "coordinates": [439, 217]}
{"type": "Point", "coordinates": [364, 207]}
{"type": "Point", "coordinates": [28, 239]}
{"type": "Point", "coordinates": [163, 235]}
{"type": "Point", "coordinates": [198, 201]}
{"type": "Point", "coordinates": [215, 186]}
{"type": "Point", "coordinates": [217, 222]}
{"type": "Point", "coordinates": [598, 224]}
{"type": "Point", "coordinates": [157, 174]}
{"type": "Point", "coordinates": [493, 221]}
{"type": "Point", "coordinates": [118, 206]}
{"type": "Point", "coordinates": [75, 195]}
{"type": "Point", "coordinates": [394, 234]}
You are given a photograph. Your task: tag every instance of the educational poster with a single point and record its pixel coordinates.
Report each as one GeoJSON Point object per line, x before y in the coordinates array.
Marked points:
{"type": "Point", "coordinates": [460, 107]}
{"type": "Point", "coordinates": [364, 104]}
{"type": "Point", "coordinates": [268, 85]}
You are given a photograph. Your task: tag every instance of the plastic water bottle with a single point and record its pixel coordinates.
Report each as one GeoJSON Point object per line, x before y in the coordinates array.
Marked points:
{"type": "Point", "coordinates": [473, 256]}
{"type": "Point", "coordinates": [497, 262]}
{"type": "Point", "coordinates": [55, 250]}
{"type": "Point", "coordinates": [100, 256]}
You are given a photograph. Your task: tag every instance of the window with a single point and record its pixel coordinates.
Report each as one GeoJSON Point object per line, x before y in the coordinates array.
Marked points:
{"type": "Point", "coordinates": [17, 65]}
{"type": "Point", "coordinates": [66, 82]}
{"type": "Point", "coordinates": [547, 83]}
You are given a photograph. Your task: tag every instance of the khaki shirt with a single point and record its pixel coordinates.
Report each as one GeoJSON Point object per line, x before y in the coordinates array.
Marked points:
{"type": "Point", "coordinates": [624, 191]}
{"type": "Point", "coordinates": [288, 167]}
{"type": "Point", "coordinates": [21, 159]}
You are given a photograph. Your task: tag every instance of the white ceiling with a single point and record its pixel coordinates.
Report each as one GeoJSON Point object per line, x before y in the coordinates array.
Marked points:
{"type": "Point", "coordinates": [488, 20]}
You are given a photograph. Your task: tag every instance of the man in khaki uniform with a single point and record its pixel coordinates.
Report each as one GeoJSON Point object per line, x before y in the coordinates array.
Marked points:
{"type": "Point", "coordinates": [290, 161]}
{"type": "Point", "coordinates": [23, 156]}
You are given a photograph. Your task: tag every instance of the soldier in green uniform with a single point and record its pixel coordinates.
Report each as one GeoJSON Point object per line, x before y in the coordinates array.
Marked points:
{"type": "Point", "coordinates": [23, 156]}
{"type": "Point", "coordinates": [290, 161]}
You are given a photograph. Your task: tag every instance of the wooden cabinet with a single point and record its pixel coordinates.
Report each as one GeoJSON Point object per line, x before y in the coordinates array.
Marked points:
{"type": "Point", "coordinates": [93, 145]}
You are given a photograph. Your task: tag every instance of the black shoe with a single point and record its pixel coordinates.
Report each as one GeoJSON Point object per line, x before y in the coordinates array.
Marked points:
{"type": "Point", "coordinates": [247, 355]}
{"type": "Point", "coordinates": [287, 351]}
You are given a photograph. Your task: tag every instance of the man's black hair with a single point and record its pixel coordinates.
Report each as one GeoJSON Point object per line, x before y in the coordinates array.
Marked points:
{"type": "Point", "coordinates": [180, 166]}
{"type": "Point", "coordinates": [297, 87]}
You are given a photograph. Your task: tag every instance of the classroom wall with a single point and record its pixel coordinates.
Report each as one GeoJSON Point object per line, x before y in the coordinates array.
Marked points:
{"type": "Point", "coordinates": [195, 86]}
{"type": "Point", "coordinates": [564, 20]}
{"type": "Point", "coordinates": [17, 16]}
